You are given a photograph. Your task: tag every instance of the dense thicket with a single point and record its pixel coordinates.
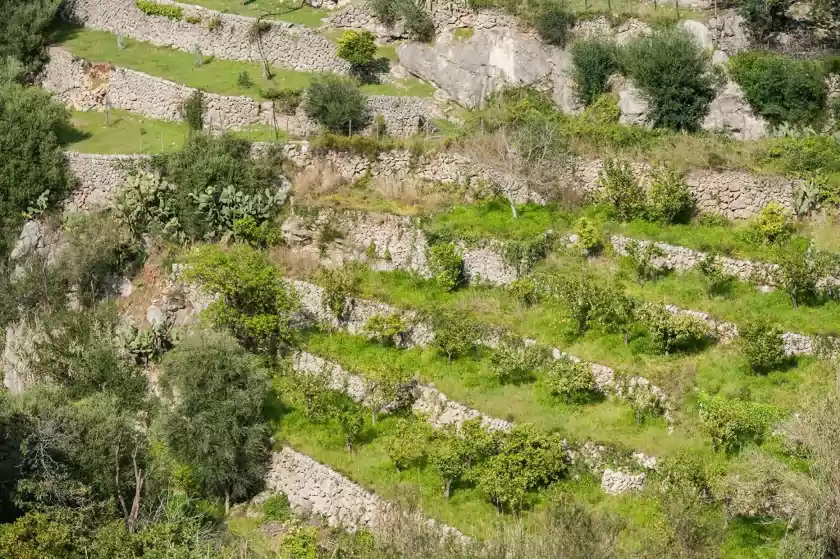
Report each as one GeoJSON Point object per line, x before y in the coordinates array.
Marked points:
{"type": "Point", "coordinates": [23, 31]}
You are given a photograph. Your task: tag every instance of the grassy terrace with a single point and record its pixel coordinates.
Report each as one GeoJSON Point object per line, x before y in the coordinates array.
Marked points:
{"type": "Point", "coordinates": [279, 10]}
{"type": "Point", "coordinates": [131, 133]}
{"type": "Point", "coordinates": [214, 75]}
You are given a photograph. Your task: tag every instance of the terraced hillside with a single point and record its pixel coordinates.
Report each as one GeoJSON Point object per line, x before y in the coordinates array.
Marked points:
{"type": "Point", "coordinates": [402, 279]}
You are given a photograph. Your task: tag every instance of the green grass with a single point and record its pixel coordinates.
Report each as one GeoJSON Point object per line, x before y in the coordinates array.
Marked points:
{"type": "Point", "coordinates": [464, 33]}
{"type": "Point", "coordinates": [131, 133]}
{"type": "Point", "coordinates": [214, 76]}
{"type": "Point", "coordinates": [303, 15]}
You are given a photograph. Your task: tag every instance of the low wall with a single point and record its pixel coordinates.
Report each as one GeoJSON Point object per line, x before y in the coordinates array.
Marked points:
{"type": "Point", "coordinates": [85, 86]}
{"type": "Point", "coordinates": [98, 178]}
{"type": "Point", "coordinates": [283, 44]}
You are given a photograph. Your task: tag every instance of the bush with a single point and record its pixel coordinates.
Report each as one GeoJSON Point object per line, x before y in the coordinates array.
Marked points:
{"type": "Point", "coordinates": [386, 11]}
{"type": "Point", "coordinates": [669, 200]}
{"type": "Point", "coordinates": [194, 109]}
{"type": "Point", "coordinates": [579, 293]}
{"type": "Point", "coordinates": [673, 331]}
{"type": "Point", "coordinates": [339, 284]}
{"type": "Point", "coordinates": [621, 191]}
{"type": "Point", "coordinates": [418, 22]}
{"type": "Point", "coordinates": [387, 330]}
{"type": "Point", "coordinates": [799, 271]}
{"type": "Point", "coordinates": [151, 8]}
{"type": "Point", "coordinates": [337, 104]}
{"type": "Point", "coordinates": [406, 445]}
{"type": "Point", "coordinates": [772, 224]}
{"type": "Point", "coordinates": [733, 423]}
{"type": "Point", "coordinates": [601, 117]}
{"type": "Point", "coordinates": [276, 508]}
{"type": "Point", "coordinates": [446, 265]}
{"type": "Point", "coordinates": [244, 80]}
{"type": "Point", "coordinates": [717, 283]}
{"type": "Point", "coordinates": [455, 334]}
{"type": "Point", "coordinates": [646, 260]}
{"type": "Point", "coordinates": [595, 60]}
{"type": "Point", "coordinates": [24, 27]}
{"type": "Point", "coordinates": [552, 22]}
{"type": "Point", "coordinates": [570, 380]}
{"type": "Point", "coordinates": [781, 89]}
{"type": "Point", "coordinates": [357, 47]}
{"type": "Point", "coordinates": [590, 237]}
{"type": "Point", "coordinates": [763, 347]}
{"type": "Point", "coordinates": [33, 168]}
{"type": "Point", "coordinates": [513, 362]}
{"type": "Point", "coordinates": [524, 290]}
{"type": "Point", "coordinates": [254, 302]}
{"type": "Point", "coordinates": [676, 77]}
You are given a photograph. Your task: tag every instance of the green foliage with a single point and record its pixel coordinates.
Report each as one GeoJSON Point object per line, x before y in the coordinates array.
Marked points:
{"type": "Point", "coordinates": [578, 293]}
{"type": "Point", "coordinates": [357, 47]}
{"type": "Point", "coordinates": [348, 415]}
{"type": "Point", "coordinates": [77, 349]}
{"type": "Point", "coordinates": [676, 77]}
{"type": "Point", "coordinates": [524, 290]}
{"type": "Point", "coordinates": [152, 8]}
{"type": "Point", "coordinates": [216, 425]}
{"type": "Point", "coordinates": [386, 11]}
{"type": "Point", "coordinates": [201, 191]}
{"type": "Point", "coordinates": [734, 423]}
{"type": "Point", "coordinates": [243, 79]}
{"type": "Point", "coordinates": [387, 330]}
{"type": "Point", "coordinates": [600, 119]}
{"type": "Point", "coordinates": [276, 508]}
{"type": "Point", "coordinates": [552, 22]}
{"type": "Point", "coordinates": [669, 200]}
{"type": "Point", "coordinates": [570, 380]}
{"type": "Point", "coordinates": [447, 454]}
{"type": "Point", "coordinates": [799, 271]}
{"type": "Point", "coordinates": [339, 285]}
{"type": "Point", "coordinates": [286, 101]}
{"type": "Point", "coordinates": [254, 303]}
{"type": "Point", "coordinates": [246, 230]}
{"type": "Point", "coordinates": [513, 362]}
{"type": "Point", "coordinates": [387, 387]}
{"type": "Point", "coordinates": [621, 191]}
{"type": "Point", "coordinates": [300, 543]}
{"type": "Point", "coordinates": [717, 282]}
{"type": "Point", "coordinates": [528, 459]}
{"type": "Point", "coordinates": [595, 60]}
{"type": "Point", "coordinates": [781, 89]}
{"type": "Point", "coordinates": [33, 165]}
{"type": "Point", "coordinates": [24, 27]}
{"type": "Point", "coordinates": [418, 22]}
{"type": "Point", "coordinates": [194, 110]}
{"type": "Point", "coordinates": [214, 23]}
{"type": "Point", "coordinates": [772, 224]}
{"type": "Point", "coordinates": [337, 104]}
{"type": "Point", "coordinates": [763, 346]}
{"type": "Point", "coordinates": [446, 265]}
{"type": "Point", "coordinates": [645, 259]}
{"type": "Point", "coordinates": [590, 237]}
{"type": "Point", "coordinates": [764, 17]}
{"type": "Point", "coordinates": [614, 310]}
{"type": "Point", "coordinates": [685, 470]}
{"type": "Point", "coordinates": [455, 334]}
{"type": "Point", "coordinates": [673, 331]}
{"type": "Point", "coordinates": [406, 445]}
{"type": "Point", "coordinates": [312, 394]}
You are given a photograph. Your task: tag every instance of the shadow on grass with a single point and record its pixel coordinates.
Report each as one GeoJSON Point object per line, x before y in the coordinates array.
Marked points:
{"type": "Point", "coordinates": [69, 134]}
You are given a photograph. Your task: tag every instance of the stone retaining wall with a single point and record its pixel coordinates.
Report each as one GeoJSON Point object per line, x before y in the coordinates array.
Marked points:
{"type": "Point", "coordinates": [283, 44]}
{"type": "Point", "coordinates": [98, 178]}
{"type": "Point", "coordinates": [86, 86]}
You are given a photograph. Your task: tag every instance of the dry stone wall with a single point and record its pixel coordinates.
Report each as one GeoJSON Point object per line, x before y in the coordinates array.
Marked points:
{"type": "Point", "coordinates": [283, 44]}
{"type": "Point", "coordinates": [86, 86]}
{"type": "Point", "coordinates": [98, 178]}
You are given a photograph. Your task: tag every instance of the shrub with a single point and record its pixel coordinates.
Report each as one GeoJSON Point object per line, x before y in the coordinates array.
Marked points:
{"type": "Point", "coordinates": [337, 104]}
{"type": "Point", "coordinates": [621, 191]}
{"type": "Point", "coordinates": [446, 265]}
{"type": "Point", "coordinates": [357, 47]}
{"type": "Point", "coordinates": [284, 101]}
{"type": "Point", "coordinates": [406, 445]}
{"type": "Point", "coordinates": [646, 260]}
{"type": "Point", "coordinates": [590, 237]}
{"type": "Point", "coordinates": [25, 28]}
{"type": "Point", "coordinates": [717, 283]}
{"type": "Point", "coordinates": [214, 23]}
{"type": "Point", "coordinates": [669, 200]}
{"type": "Point", "coordinates": [673, 331]}
{"type": "Point", "coordinates": [799, 271]}
{"type": "Point", "coordinates": [33, 166]}
{"type": "Point", "coordinates": [602, 118]}
{"type": "Point", "coordinates": [570, 380]}
{"type": "Point", "coordinates": [675, 76]}
{"type": "Point", "coordinates": [524, 290]}
{"type": "Point", "coordinates": [781, 89]}
{"type": "Point", "coordinates": [763, 346]}
{"type": "Point", "coordinates": [194, 109]}
{"type": "Point", "coordinates": [339, 284]}
{"type": "Point", "coordinates": [733, 423]}
{"type": "Point", "coordinates": [455, 334]}
{"type": "Point", "coordinates": [151, 8]}
{"type": "Point", "coordinates": [579, 293]}
{"type": "Point", "coordinates": [246, 230]}
{"type": "Point", "coordinates": [418, 22]}
{"type": "Point", "coordinates": [595, 60]}
{"type": "Point", "coordinates": [244, 80]}
{"type": "Point", "coordinates": [552, 22]}
{"type": "Point", "coordinates": [387, 330]}
{"type": "Point", "coordinates": [276, 508]}
{"type": "Point", "coordinates": [772, 224]}
{"type": "Point", "coordinates": [254, 303]}
{"type": "Point", "coordinates": [193, 19]}
{"type": "Point", "coordinates": [512, 362]}
{"type": "Point", "coordinates": [386, 11]}
{"type": "Point", "coordinates": [301, 542]}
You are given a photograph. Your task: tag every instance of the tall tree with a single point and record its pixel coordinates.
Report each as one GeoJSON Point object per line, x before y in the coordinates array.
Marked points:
{"type": "Point", "coordinates": [215, 423]}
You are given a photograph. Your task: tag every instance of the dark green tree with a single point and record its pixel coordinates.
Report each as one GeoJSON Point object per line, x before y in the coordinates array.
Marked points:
{"type": "Point", "coordinates": [337, 104]}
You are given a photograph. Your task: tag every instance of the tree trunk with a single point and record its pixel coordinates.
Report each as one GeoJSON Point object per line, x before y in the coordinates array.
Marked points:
{"type": "Point", "coordinates": [373, 416]}
{"type": "Point", "coordinates": [448, 489]}
{"type": "Point", "coordinates": [227, 502]}
{"type": "Point", "coordinates": [347, 445]}
{"type": "Point", "coordinates": [512, 206]}
{"type": "Point", "coordinates": [626, 339]}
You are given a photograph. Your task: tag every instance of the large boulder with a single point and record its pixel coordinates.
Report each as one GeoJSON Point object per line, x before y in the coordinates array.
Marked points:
{"type": "Point", "coordinates": [730, 113]}
{"type": "Point", "coordinates": [631, 102]}
{"type": "Point", "coordinates": [468, 71]}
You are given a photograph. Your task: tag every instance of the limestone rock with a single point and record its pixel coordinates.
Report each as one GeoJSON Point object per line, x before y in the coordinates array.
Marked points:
{"type": "Point", "coordinates": [615, 482]}
{"type": "Point", "coordinates": [631, 101]}
{"type": "Point", "coordinates": [699, 32]}
{"type": "Point", "coordinates": [729, 112]}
